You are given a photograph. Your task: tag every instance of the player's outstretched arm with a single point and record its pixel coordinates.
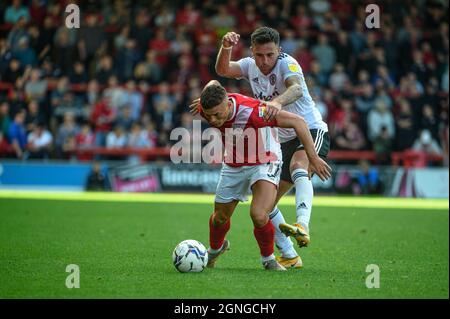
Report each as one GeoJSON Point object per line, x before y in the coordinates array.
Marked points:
{"type": "Point", "coordinates": [316, 164]}
{"type": "Point", "coordinates": [225, 67]}
{"type": "Point", "coordinates": [292, 94]}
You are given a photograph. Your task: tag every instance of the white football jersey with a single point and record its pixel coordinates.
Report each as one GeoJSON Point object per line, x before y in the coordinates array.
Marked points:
{"type": "Point", "coordinates": [268, 87]}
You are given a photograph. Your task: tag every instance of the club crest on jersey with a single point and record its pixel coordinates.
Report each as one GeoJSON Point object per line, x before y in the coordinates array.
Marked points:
{"type": "Point", "coordinates": [273, 79]}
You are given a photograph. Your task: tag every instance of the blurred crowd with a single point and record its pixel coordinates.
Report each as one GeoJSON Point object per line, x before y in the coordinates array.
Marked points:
{"type": "Point", "coordinates": [126, 77]}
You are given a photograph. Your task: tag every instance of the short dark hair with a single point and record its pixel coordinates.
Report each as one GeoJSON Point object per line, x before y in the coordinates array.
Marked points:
{"type": "Point", "coordinates": [212, 96]}
{"type": "Point", "coordinates": [265, 35]}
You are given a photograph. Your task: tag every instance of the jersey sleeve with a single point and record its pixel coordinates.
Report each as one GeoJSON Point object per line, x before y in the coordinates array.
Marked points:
{"type": "Point", "coordinates": [244, 64]}
{"type": "Point", "coordinates": [290, 67]}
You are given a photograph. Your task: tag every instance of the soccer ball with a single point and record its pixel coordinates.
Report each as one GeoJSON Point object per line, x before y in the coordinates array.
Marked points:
{"type": "Point", "coordinates": [190, 256]}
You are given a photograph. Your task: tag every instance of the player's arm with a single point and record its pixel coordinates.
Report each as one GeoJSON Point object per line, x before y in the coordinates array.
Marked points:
{"type": "Point", "coordinates": [292, 94]}
{"type": "Point", "coordinates": [225, 67]}
{"type": "Point", "coordinates": [286, 119]}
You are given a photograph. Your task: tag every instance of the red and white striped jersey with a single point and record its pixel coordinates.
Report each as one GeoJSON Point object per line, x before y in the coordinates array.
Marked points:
{"type": "Point", "coordinates": [249, 139]}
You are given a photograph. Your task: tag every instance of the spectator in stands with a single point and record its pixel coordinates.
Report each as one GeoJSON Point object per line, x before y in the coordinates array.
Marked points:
{"type": "Point", "coordinates": [17, 134]}
{"type": "Point", "coordinates": [36, 86]}
{"type": "Point", "coordinates": [127, 59]}
{"type": "Point", "coordinates": [65, 138]}
{"type": "Point", "coordinates": [91, 39]}
{"type": "Point", "coordinates": [338, 78]}
{"type": "Point", "coordinates": [115, 93]}
{"type": "Point", "coordinates": [64, 50]}
{"type": "Point", "coordinates": [105, 69]}
{"type": "Point", "coordinates": [85, 139]}
{"type": "Point", "coordinates": [152, 69]}
{"type": "Point", "coordinates": [378, 118]}
{"type": "Point", "coordinates": [140, 30]}
{"type": "Point", "coordinates": [222, 20]}
{"type": "Point", "coordinates": [116, 138]}
{"type": "Point", "coordinates": [366, 101]}
{"type": "Point", "coordinates": [429, 122]}
{"type": "Point", "coordinates": [325, 54]}
{"type": "Point", "coordinates": [93, 92]}
{"type": "Point", "coordinates": [18, 32]}
{"type": "Point", "coordinates": [16, 11]}
{"type": "Point", "coordinates": [368, 180]}
{"type": "Point", "coordinates": [122, 37]}
{"type": "Point", "coordinates": [350, 137]}
{"type": "Point", "coordinates": [102, 118]}
{"type": "Point", "coordinates": [5, 119]}
{"type": "Point", "coordinates": [13, 71]}
{"type": "Point", "coordinates": [96, 181]}
{"type": "Point", "coordinates": [124, 117]}
{"type": "Point", "coordinates": [163, 106]}
{"type": "Point", "coordinates": [34, 116]}
{"type": "Point", "coordinates": [38, 12]}
{"type": "Point", "coordinates": [425, 143]}
{"type": "Point", "coordinates": [25, 54]}
{"type": "Point", "coordinates": [406, 128]}
{"type": "Point", "coordinates": [78, 74]}
{"type": "Point", "coordinates": [39, 142]}
{"type": "Point", "coordinates": [382, 146]}
{"type": "Point", "coordinates": [5, 147]}
{"type": "Point", "coordinates": [383, 96]}
{"type": "Point", "coordinates": [133, 99]}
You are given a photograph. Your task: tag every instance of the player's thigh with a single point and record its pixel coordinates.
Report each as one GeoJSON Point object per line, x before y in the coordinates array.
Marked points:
{"type": "Point", "coordinates": [299, 158]}
{"type": "Point", "coordinates": [264, 194]}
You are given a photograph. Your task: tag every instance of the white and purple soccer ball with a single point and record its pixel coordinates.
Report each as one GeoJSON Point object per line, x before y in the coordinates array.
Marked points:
{"type": "Point", "coordinates": [190, 256]}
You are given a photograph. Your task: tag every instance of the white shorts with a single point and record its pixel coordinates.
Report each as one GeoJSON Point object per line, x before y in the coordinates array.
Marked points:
{"type": "Point", "coordinates": [235, 182]}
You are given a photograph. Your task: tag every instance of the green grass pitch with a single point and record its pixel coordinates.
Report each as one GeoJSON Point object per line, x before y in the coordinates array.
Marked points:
{"type": "Point", "coordinates": [123, 244]}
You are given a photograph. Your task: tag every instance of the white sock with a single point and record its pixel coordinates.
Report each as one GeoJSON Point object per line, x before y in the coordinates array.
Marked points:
{"type": "Point", "coordinates": [267, 258]}
{"type": "Point", "coordinates": [303, 196]}
{"type": "Point", "coordinates": [283, 243]}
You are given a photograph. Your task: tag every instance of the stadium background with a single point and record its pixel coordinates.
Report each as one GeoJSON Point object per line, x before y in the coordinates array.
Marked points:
{"type": "Point", "coordinates": [116, 87]}
{"type": "Point", "coordinates": [98, 104]}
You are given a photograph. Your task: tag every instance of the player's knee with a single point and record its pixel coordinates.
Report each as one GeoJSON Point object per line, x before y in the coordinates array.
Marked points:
{"type": "Point", "coordinates": [299, 160]}
{"type": "Point", "coordinates": [259, 217]}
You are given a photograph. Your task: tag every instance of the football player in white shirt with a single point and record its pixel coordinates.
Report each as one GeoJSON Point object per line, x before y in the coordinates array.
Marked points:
{"type": "Point", "coordinates": [277, 78]}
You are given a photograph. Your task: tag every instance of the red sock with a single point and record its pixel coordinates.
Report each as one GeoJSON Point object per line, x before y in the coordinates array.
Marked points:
{"type": "Point", "coordinates": [217, 233]}
{"type": "Point", "coordinates": [265, 236]}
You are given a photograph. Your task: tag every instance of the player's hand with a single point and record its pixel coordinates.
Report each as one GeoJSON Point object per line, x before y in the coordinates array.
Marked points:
{"type": "Point", "coordinates": [320, 167]}
{"type": "Point", "coordinates": [230, 39]}
{"type": "Point", "coordinates": [272, 109]}
{"type": "Point", "coordinates": [193, 107]}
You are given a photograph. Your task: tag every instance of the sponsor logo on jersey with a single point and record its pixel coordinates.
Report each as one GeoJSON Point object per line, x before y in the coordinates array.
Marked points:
{"type": "Point", "coordinates": [293, 67]}
{"type": "Point", "coordinates": [256, 80]}
{"type": "Point", "coordinates": [262, 97]}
